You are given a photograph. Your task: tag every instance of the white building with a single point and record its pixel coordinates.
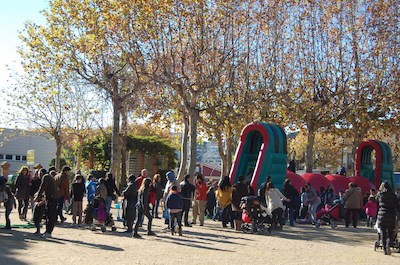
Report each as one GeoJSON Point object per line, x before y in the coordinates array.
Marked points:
{"type": "Point", "coordinates": [14, 145]}
{"type": "Point", "coordinates": [211, 155]}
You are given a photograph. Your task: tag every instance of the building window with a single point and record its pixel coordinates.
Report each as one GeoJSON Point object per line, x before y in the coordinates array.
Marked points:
{"type": "Point", "coordinates": [23, 158]}
{"type": "Point", "coordinates": [1, 156]}
{"type": "Point", "coordinates": [9, 157]}
{"type": "Point", "coordinates": [18, 158]}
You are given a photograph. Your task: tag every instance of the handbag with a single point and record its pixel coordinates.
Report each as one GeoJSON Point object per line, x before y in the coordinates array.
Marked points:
{"type": "Point", "coordinates": [166, 214]}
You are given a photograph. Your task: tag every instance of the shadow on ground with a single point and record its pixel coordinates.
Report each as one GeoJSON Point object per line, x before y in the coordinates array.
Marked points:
{"type": "Point", "coordinates": [11, 240]}
{"type": "Point", "coordinates": [342, 235]}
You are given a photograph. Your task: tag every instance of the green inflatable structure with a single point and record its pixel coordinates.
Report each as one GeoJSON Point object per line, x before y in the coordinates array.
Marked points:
{"type": "Point", "coordinates": [262, 152]}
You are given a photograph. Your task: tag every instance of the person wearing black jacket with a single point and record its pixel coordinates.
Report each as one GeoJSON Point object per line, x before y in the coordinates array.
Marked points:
{"type": "Point", "coordinates": [48, 187]}
{"type": "Point", "coordinates": [388, 208]}
{"type": "Point", "coordinates": [77, 193]}
{"type": "Point", "coordinates": [130, 199]}
{"type": "Point", "coordinates": [143, 208]}
{"type": "Point", "coordinates": [239, 190]}
{"type": "Point", "coordinates": [292, 194]}
{"type": "Point", "coordinates": [187, 190]}
{"type": "Point", "coordinates": [35, 184]}
{"type": "Point", "coordinates": [111, 187]}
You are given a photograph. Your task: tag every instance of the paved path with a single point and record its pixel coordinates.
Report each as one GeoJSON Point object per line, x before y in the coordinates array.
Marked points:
{"type": "Point", "coordinates": [206, 245]}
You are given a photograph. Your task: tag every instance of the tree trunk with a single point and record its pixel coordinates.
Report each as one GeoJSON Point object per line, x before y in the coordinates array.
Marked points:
{"type": "Point", "coordinates": [124, 140]}
{"type": "Point", "coordinates": [80, 150]}
{"type": "Point", "coordinates": [193, 118]}
{"type": "Point", "coordinates": [184, 148]}
{"type": "Point", "coordinates": [229, 154]}
{"type": "Point", "coordinates": [91, 159]}
{"type": "Point", "coordinates": [57, 161]}
{"type": "Point", "coordinates": [155, 165]}
{"type": "Point", "coordinates": [115, 167]}
{"type": "Point", "coordinates": [310, 148]}
{"type": "Point", "coordinates": [222, 154]}
{"type": "Point", "coordinates": [358, 136]}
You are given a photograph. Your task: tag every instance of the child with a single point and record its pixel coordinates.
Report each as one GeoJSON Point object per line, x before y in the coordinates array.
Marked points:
{"type": "Point", "coordinates": [371, 209]}
{"type": "Point", "coordinates": [39, 208]}
{"type": "Point", "coordinates": [303, 207]}
{"type": "Point", "coordinates": [9, 204]}
{"type": "Point", "coordinates": [101, 189]}
{"type": "Point", "coordinates": [77, 192]}
{"type": "Point", "coordinates": [174, 204]}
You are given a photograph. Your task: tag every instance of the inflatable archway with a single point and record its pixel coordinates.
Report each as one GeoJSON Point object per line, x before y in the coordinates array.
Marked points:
{"type": "Point", "coordinates": [383, 170]}
{"type": "Point", "coordinates": [261, 153]}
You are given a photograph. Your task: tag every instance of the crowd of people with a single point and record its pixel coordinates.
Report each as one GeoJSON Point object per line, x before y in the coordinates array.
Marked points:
{"type": "Point", "coordinates": [48, 192]}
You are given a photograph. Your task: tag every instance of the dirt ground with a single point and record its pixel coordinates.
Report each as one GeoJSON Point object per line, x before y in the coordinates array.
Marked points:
{"type": "Point", "coordinates": [210, 244]}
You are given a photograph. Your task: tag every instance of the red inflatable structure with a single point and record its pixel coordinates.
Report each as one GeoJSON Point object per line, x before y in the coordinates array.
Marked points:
{"type": "Point", "coordinates": [339, 182]}
{"type": "Point", "coordinates": [317, 181]}
{"type": "Point", "coordinates": [363, 183]}
{"type": "Point", "coordinates": [297, 180]}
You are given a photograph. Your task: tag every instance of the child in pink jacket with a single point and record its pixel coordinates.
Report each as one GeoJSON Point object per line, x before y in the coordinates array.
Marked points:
{"type": "Point", "coordinates": [371, 209]}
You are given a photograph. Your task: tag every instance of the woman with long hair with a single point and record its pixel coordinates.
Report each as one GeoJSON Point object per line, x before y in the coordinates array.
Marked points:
{"type": "Point", "coordinates": [143, 208]}
{"type": "Point", "coordinates": [158, 192]}
{"type": "Point", "coordinates": [224, 197]}
{"type": "Point", "coordinates": [22, 192]}
{"type": "Point", "coordinates": [388, 205]}
{"type": "Point", "coordinates": [274, 199]}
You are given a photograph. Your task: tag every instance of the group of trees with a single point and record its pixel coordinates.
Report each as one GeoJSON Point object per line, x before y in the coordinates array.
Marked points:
{"type": "Point", "coordinates": [214, 66]}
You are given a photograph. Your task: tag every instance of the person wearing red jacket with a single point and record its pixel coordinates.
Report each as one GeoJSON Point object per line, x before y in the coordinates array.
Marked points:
{"type": "Point", "coordinates": [199, 202]}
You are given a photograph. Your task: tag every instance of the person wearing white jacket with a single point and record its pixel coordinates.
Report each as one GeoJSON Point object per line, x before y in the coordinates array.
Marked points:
{"type": "Point", "coordinates": [274, 199]}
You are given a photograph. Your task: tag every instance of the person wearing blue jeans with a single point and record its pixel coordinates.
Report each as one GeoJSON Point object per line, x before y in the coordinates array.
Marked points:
{"type": "Point", "coordinates": [291, 193]}
{"type": "Point", "coordinates": [158, 191]}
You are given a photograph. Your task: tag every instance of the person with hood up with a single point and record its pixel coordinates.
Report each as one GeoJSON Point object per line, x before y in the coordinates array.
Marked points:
{"type": "Point", "coordinates": [171, 181]}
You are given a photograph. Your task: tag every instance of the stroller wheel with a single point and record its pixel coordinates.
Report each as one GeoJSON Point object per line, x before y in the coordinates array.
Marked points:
{"type": "Point", "coordinates": [93, 228]}
{"type": "Point", "coordinates": [113, 229]}
{"type": "Point", "coordinates": [261, 230]}
{"type": "Point", "coordinates": [246, 229]}
{"type": "Point", "coordinates": [317, 224]}
{"type": "Point", "coordinates": [333, 225]}
{"type": "Point", "coordinates": [103, 229]}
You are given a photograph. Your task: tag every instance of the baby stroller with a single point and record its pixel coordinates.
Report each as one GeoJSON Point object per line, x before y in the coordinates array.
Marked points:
{"type": "Point", "coordinates": [254, 217]}
{"type": "Point", "coordinates": [395, 241]}
{"type": "Point", "coordinates": [328, 215]}
{"type": "Point", "coordinates": [96, 215]}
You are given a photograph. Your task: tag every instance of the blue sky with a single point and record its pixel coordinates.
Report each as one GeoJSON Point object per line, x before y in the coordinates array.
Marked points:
{"type": "Point", "coordinates": [13, 14]}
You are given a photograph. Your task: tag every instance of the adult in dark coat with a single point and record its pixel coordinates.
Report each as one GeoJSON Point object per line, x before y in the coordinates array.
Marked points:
{"type": "Point", "coordinates": [35, 184]}
{"type": "Point", "coordinates": [388, 208]}
{"type": "Point", "coordinates": [111, 187]}
{"type": "Point", "coordinates": [239, 190]}
{"type": "Point", "coordinates": [187, 190]}
{"type": "Point", "coordinates": [48, 187]}
{"type": "Point", "coordinates": [130, 199]}
{"type": "Point", "coordinates": [143, 208]}
{"type": "Point", "coordinates": [291, 193]}
{"type": "Point", "coordinates": [22, 192]}
{"type": "Point", "coordinates": [158, 190]}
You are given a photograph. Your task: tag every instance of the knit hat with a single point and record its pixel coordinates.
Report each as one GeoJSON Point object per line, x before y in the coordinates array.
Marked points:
{"type": "Point", "coordinates": [174, 188]}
